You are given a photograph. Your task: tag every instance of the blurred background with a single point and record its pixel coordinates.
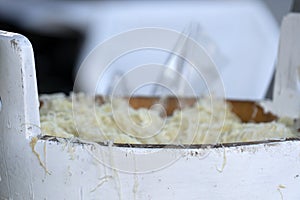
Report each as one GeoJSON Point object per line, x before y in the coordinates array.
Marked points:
{"type": "Point", "coordinates": [241, 36]}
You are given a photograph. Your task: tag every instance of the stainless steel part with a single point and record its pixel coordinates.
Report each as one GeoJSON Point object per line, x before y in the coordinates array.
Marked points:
{"type": "Point", "coordinates": [33, 168]}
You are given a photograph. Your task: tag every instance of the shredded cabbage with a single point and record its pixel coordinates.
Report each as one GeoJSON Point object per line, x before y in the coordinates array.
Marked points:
{"type": "Point", "coordinates": [207, 122]}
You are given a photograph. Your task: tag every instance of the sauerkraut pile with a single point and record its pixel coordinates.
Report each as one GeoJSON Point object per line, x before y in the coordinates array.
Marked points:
{"type": "Point", "coordinates": [206, 122]}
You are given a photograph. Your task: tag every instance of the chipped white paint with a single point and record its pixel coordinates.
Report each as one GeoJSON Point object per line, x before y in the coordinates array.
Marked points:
{"type": "Point", "coordinates": [252, 172]}
{"type": "Point", "coordinates": [19, 117]}
{"type": "Point", "coordinates": [41, 169]}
